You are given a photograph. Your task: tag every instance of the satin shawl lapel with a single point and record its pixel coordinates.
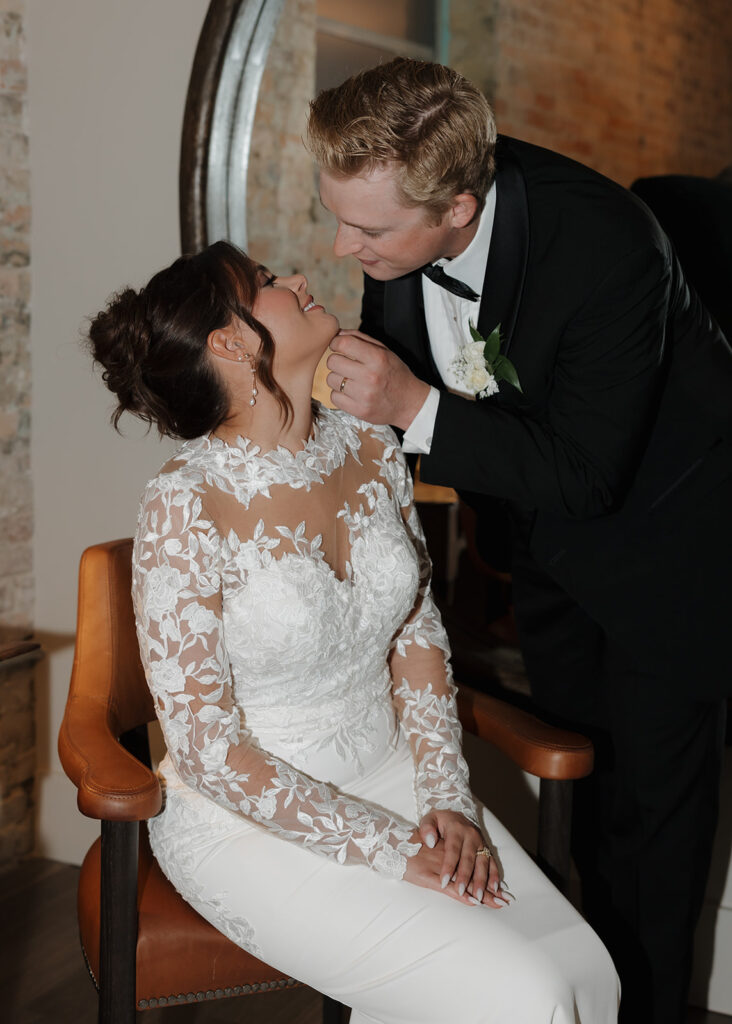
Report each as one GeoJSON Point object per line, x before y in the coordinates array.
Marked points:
{"type": "Point", "coordinates": [404, 322]}
{"type": "Point", "coordinates": [509, 250]}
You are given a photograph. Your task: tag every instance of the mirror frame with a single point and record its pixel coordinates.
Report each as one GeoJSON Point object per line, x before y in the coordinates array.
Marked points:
{"type": "Point", "coordinates": [219, 116]}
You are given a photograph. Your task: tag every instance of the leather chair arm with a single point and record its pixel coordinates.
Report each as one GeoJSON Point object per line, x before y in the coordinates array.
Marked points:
{"type": "Point", "coordinates": [534, 746]}
{"type": "Point", "coordinates": [113, 785]}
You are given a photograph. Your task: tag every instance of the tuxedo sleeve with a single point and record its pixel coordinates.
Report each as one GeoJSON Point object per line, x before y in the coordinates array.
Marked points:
{"type": "Point", "coordinates": [579, 456]}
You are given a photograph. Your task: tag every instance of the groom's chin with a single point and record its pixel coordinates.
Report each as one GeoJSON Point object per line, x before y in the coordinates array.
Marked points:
{"type": "Point", "coordinates": [381, 272]}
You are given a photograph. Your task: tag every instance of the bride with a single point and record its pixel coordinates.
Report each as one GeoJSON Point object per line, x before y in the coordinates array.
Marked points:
{"type": "Point", "coordinates": [317, 807]}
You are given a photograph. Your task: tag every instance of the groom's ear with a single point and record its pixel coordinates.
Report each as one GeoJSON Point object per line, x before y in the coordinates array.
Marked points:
{"type": "Point", "coordinates": [463, 209]}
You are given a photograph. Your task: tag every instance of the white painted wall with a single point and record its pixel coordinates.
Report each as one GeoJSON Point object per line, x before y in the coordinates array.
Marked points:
{"type": "Point", "coordinates": [108, 81]}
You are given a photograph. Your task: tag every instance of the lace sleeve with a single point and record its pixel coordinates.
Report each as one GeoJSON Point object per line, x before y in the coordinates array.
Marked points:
{"type": "Point", "coordinates": [177, 596]}
{"type": "Point", "coordinates": [424, 693]}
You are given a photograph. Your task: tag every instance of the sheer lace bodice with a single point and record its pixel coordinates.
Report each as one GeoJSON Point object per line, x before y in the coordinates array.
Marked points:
{"type": "Point", "coordinates": [290, 639]}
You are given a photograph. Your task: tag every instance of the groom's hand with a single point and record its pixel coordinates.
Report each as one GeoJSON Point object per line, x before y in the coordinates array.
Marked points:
{"type": "Point", "coordinates": [379, 387]}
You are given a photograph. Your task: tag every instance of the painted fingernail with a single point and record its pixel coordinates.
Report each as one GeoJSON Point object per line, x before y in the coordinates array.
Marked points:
{"type": "Point", "coordinates": [479, 895]}
{"type": "Point", "coordinates": [445, 880]}
{"type": "Point", "coordinates": [430, 840]}
{"type": "Point", "coordinates": [494, 887]}
{"type": "Point", "coordinates": [461, 889]}
{"type": "Point", "coordinates": [472, 899]}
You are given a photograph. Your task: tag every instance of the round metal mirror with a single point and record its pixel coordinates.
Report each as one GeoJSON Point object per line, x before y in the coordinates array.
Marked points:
{"type": "Point", "coordinates": [219, 116]}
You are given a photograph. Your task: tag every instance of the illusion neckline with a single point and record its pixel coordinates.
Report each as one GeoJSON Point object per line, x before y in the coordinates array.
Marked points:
{"type": "Point", "coordinates": [334, 435]}
{"type": "Point", "coordinates": [249, 449]}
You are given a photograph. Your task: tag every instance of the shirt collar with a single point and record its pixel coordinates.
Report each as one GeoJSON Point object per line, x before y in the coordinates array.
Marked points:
{"type": "Point", "coordinates": [470, 265]}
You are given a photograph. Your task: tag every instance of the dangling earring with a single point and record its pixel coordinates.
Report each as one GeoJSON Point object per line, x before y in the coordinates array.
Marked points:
{"type": "Point", "coordinates": [253, 368]}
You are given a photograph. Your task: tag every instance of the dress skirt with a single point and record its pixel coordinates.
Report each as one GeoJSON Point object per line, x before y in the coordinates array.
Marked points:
{"type": "Point", "coordinates": [395, 952]}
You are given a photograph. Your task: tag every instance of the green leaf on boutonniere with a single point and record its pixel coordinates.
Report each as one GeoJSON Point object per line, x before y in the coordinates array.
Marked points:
{"type": "Point", "coordinates": [493, 345]}
{"type": "Point", "coordinates": [503, 369]}
{"type": "Point", "coordinates": [498, 365]}
{"type": "Point", "coordinates": [476, 335]}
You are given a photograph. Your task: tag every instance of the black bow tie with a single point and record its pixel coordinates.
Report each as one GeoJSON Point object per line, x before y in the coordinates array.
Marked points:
{"type": "Point", "coordinates": [450, 284]}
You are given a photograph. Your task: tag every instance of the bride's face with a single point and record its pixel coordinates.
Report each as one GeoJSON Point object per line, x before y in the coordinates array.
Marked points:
{"type": "Point", "coordinates": [299, 326]}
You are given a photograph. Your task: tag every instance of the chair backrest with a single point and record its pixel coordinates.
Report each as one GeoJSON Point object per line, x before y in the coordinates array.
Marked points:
{"type": "Point", "coordinates": [107, 666]}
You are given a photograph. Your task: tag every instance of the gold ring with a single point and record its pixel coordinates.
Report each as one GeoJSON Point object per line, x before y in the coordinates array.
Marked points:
{"type": "Point", "coordinates": [484, 852]}
{"type": "Point", "coordinates": [343, 384]}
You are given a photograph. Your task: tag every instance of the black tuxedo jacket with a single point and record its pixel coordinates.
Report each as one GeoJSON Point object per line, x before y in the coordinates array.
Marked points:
{"type": "Point", "coordinates": [615, 462]}
{"type": "Point", "coordinates": [696, 214]}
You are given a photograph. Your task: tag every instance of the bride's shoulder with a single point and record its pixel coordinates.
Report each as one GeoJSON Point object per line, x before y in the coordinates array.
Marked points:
{"type": "Point", "coordinates": [350, 427]}
{"type": "Point", "coordinates": [181, 473]}
{"type": "Point", "coordinates": [374, 446]}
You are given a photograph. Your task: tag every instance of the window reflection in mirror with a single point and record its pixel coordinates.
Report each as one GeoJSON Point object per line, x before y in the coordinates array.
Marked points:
{"type": "Point", "coordinates": [352, 35]}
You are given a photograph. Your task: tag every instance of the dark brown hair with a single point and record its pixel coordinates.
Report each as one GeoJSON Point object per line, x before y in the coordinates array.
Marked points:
{"type": "Point", "coordinates": [152, 343]}
{"type": "Point", "coordinates": [434, 125]}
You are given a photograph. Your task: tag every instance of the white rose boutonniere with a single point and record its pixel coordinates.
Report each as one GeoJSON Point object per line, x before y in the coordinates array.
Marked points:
{"type": "Point", "coordinates": [480, 365]}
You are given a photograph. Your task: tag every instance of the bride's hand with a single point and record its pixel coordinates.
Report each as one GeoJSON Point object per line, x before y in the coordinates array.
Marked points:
{"type": "Point", "coordinates": [458, 842]}
{"type": "Point", "coordinates": [424, 869]}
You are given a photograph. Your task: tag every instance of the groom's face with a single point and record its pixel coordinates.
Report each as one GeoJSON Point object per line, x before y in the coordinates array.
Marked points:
{"type": "Point", "coordinates": [387, 238]}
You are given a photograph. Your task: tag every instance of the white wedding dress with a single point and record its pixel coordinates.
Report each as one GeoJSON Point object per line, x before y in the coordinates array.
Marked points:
{"type": "Point", "coordinates": [299, 669]}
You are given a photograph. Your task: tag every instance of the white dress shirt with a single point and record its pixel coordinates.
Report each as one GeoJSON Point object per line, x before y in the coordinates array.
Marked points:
{"type": "Point", "coordinates": [447, 317]}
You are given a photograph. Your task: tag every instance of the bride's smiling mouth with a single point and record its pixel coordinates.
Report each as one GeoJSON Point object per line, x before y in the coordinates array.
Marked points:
{"type": "Point", "coordinates": [311, 305]}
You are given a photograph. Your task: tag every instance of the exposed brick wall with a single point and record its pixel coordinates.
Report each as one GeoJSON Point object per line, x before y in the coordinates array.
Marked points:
{"type": "Point", "coordinates": [17, 755]}
{"type": "Point", "coordinates": [632, 88]}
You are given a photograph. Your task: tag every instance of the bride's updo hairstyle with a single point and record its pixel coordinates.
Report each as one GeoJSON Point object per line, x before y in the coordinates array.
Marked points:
{"type": "Point", "coordinates": [152, 343]}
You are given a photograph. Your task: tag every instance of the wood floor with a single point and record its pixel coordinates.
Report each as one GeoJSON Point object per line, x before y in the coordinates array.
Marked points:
{"type": "Point", "coordinates": [43, 979]}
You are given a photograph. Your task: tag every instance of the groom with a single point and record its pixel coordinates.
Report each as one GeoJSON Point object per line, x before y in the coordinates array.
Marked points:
{"type": "Point", "coordinates": [608, 467]}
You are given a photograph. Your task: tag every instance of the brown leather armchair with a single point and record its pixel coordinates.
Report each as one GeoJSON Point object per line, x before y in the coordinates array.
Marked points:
{"type": "Point", "coordinates": [143, 944]}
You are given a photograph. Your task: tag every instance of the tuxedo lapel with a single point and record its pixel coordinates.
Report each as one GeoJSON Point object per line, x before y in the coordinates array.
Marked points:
{"type": "Point", "coordinates": [405, 323]}
{"type": "Point", "coordinates": [404, 320]}
{"type": "Point", "coordinates": [509, 250]}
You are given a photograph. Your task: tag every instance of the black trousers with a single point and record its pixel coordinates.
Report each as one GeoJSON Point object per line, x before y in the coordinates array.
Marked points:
{"type": "Point", "coordinates": [644, 822]}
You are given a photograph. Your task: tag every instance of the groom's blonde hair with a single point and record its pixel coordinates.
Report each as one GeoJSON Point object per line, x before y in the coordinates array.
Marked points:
{"type": "Point", "coordinates": [432, 124]}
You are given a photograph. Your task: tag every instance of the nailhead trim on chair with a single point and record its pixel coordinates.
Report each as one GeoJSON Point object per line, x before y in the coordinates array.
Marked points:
{"type": "Point", "coordinates": [201, 997]}
{"type": "Point", "coordinates": [219, 993]}
{"type": "Point", "coordinates": [88, 967]}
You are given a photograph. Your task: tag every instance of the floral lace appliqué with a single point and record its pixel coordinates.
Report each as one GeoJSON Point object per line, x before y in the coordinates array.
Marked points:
{"type": "Point", "coordinates": [265, 666]}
